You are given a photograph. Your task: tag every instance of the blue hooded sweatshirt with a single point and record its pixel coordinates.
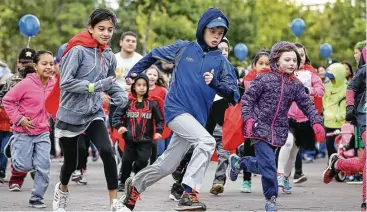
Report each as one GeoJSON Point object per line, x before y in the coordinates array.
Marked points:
{"type": "Point", "coordinates": [188, 92]}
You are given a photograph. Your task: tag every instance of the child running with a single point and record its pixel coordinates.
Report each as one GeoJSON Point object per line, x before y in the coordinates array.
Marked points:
{"type": "Point", "coordinates": [214, 126]}
{"type": "Point", "coordinates": [24, 66]}
{"type": "Point", "coordinates": [259, 63]}
{"type": "Point", "coordinates": [200, 72]}
{"type": "Point", "coordinates": [157, 88]}
{"type": "Point", "coordinates": [135, 122]}
{"type": "Point", "coordinates": [87, 69]}
{"type": "Point", "coordinates": [300, 131]}
{"type": "Point", "coordinates": [30, 144]}
{"type": "Point", "coordinates": [265, 105]}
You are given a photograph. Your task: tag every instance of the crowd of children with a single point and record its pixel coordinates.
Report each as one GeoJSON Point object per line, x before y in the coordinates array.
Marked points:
{"type": "Point", "coordinates": [176, 94]}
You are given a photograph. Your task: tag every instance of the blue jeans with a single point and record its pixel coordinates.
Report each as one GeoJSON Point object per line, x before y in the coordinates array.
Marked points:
{"type": "Point", "coordinates": [33, 152]}
{"type": "Point", "coordinates": [4, 138]}
{"type": "Point", "coordinates": [264, 164]}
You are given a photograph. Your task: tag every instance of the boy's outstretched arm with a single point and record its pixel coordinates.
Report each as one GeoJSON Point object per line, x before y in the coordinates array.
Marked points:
{"type": "Point", "coordinates": [165, 53]}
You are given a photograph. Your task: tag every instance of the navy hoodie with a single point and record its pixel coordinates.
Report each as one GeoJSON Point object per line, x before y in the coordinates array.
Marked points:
{"type": "Point", "coordinates": [188, 92]}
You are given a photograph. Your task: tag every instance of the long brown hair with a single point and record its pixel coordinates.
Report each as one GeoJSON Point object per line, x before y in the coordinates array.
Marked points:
{"type": "Point", "coordinates": [160, 82]}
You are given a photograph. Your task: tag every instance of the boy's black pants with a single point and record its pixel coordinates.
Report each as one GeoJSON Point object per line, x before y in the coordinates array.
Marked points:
{"type": "Point", "coordinates": [137, 153]}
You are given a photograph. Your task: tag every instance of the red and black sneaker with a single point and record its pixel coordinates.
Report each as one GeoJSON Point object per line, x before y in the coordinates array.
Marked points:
{"type": "Point", "coordinates": [190, 202]}
{"type": "Point", "coordinates": [131, 194]}
{"type": "Point", "coordinates": [330, 172]}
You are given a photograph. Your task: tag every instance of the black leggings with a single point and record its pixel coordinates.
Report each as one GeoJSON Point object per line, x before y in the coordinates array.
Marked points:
{"type": "Point", "coordinates": [330, 142]}
{"type": "Point", "coordinates": [52, 136]}
{"type": "Point", "coordinates": [98, 134]}
{"type": "Point", "coordinates": [83, 151]}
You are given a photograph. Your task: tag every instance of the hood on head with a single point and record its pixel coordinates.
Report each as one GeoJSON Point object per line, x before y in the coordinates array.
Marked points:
{"type": "Point", "coordinates": [208, 16]}
{"type": "Point", "coordinates": [144, 77]}
{"type": "Point", "coordinates": [338, 72]}
{"type": "Point", "coordinates": [280, 47]}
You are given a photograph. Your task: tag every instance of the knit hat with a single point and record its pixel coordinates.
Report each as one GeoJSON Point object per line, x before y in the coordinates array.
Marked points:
{"type": "Point", "coordinates": [26, 55]}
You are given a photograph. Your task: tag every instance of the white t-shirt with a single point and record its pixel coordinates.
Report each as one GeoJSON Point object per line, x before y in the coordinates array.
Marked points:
{"type": "Point", "coordinates": [123, 67]}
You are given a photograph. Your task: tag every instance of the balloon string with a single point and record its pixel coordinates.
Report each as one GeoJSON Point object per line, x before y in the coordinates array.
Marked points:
{"type": "Point", "coordinates": [29, 41]}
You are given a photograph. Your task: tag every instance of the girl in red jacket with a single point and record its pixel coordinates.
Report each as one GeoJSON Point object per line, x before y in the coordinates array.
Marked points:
{"type": "Point", "coordinates": [157, 86]}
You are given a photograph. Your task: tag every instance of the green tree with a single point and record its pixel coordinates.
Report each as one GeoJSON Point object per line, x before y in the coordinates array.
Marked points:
{"type": "Point", "coordinates": [59, 22]}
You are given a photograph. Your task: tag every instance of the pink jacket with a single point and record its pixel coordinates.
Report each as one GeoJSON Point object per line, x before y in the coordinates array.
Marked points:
{"type": "Point", "coordinates": [27, 99]}
{"type": "Point", "coordinates": [315, 87]}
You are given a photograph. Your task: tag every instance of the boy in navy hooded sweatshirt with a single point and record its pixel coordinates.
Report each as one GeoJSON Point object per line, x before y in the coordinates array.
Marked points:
{"type": "Point", "coordinates": [200, 72]}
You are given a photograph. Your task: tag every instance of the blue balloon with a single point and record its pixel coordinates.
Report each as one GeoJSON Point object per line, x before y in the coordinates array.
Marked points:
{"type": "Point", "coordinates": [240, 51]}
{"type": "Point", "coordinates": [29, 25]}
{"type": "Point", "coordinates": [326, 50]}
{"type": "Point", "coordinates": [298, 26]}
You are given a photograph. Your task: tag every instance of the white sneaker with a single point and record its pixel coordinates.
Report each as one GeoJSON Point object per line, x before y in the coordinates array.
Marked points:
{"type": "Point", "coordinates": [118, 206]}
{"type": "Point", "coordinates": [280, 181]}
{"type": "Point", "coordinates": [60, 199]}
{"type": "Point", "coordinates": [76, 176]}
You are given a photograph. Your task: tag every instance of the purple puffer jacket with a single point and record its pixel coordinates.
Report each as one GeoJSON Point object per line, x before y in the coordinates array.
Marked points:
{"type": "Point", "coordinates": [268, 99]}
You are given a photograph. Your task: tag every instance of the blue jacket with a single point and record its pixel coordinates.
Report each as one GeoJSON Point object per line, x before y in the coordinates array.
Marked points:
{"type": "Point", "coordinates": [188, 92]}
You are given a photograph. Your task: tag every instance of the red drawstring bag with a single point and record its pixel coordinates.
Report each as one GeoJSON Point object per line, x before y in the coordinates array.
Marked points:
{"type": "Point", "coordinates": [233, 127]}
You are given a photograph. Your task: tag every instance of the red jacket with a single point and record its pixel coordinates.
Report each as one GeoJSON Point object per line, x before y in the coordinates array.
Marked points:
{"type": "Point", "coordinates": [5, 125]}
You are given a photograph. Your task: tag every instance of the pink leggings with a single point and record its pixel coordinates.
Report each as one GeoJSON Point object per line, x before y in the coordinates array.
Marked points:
{"type": "Point", "coordinates": [355, 165]}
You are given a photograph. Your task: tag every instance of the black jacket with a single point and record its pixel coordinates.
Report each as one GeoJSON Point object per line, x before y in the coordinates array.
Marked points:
{"type": "Point", "coordinates": [139, 118]}
{"type": "Point", "coordinates": [358, 85]}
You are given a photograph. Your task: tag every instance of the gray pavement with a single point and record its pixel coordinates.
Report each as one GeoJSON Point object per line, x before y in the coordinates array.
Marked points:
{"type": "Point", "coordinates": [309, 196]}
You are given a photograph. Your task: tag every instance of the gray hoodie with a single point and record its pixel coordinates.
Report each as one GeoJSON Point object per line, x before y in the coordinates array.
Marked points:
{"type": "Point", "coordinates": [79, 67]}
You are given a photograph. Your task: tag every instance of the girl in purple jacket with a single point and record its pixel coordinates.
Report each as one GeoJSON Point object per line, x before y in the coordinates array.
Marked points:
{"type": "Point", "coordinates": [265, 105]}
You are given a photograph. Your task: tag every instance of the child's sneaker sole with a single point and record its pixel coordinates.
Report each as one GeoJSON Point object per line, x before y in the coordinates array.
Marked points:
{"type": "Point", "coordinates": [37, 206]}
{"type": "Point", "coordinates": [15, 189]}
{"type": "Point", "coordinates": [190, 208]}
{"type": "Point", "coordinates": [247, 191]}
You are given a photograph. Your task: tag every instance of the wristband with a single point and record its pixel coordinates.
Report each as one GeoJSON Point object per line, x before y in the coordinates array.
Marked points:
{"type": "Point", "coordinates": [91, 87]}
